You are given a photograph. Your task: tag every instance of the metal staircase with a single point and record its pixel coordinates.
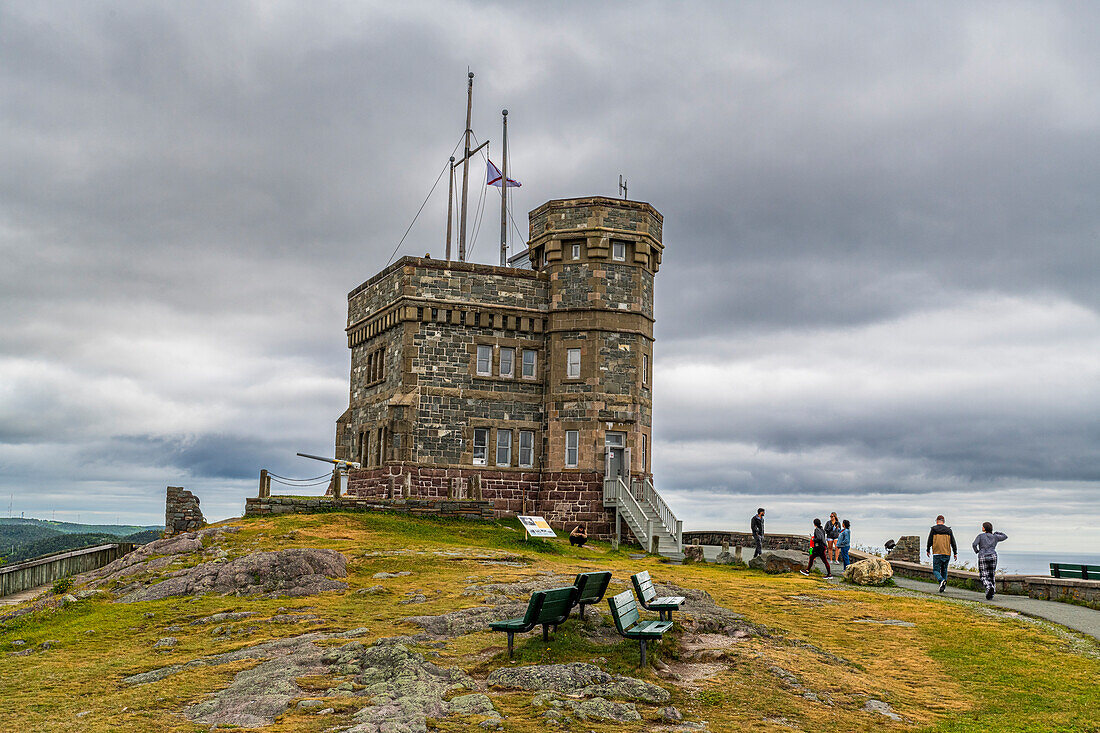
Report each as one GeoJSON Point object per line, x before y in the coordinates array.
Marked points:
{"type": "Point", "coordinates": [645, 514]}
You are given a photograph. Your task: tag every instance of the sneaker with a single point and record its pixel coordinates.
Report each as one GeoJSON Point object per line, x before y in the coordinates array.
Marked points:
{"type": "Point", "coordinates": [943, 586]}
{"type": "Point", "coordinates": [803, 572]}
{"type": "Point", "coordinates": [989, 594]}
{"type": "Point", "coordinates": [828, 577]}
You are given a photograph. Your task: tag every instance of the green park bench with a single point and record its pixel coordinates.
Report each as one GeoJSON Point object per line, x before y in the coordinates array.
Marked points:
{"type": "Point", "coordinates": [624, 609]}
{"type": "Point", "coordinates": [546, 608]}
{"type": "Point", "coordinates": [643, 586]}
{"type": "Point", "coordinates": [1074, 570]}
{"type": "Point", "coordinates": [590, 588]}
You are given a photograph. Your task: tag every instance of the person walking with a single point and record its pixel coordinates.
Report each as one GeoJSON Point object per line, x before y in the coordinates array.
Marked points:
{"type": "Point", "coordinates": [757, 526]}
{"type": "Point", "coordinates": [985, 545]}
{"type": "Point", "coordinates": [818, 550]}
{"type": "Point", "coordinates": [941, 546]}
{"type": "Point", "coordinates": [832, 532]}
{"type": "Point", "coordinates": [844, 542]}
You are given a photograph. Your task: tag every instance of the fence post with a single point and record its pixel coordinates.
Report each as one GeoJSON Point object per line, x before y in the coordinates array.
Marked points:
{"type": "Point", "coordinates": [336, 482]}
{"type": "Point", "coordinates": [265, 484]}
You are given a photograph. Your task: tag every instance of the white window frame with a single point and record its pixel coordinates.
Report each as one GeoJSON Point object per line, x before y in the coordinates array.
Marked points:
{"type": "Point", "coordinates": [645, 368]}
{"type": "Point", "coordinates": [504, 442]}
{"type": "Point", "coordinates": [572, 444]}
{"type": "Point", "coordinates": [572, 363]}
{"type": "Point", "coordinates": [488, 360]}
{"type": "Point", "coordinates": [576, 251]}
{"type": "Point", "coordinates": [618, 251]}
{"type": "Point", "coordinates": [645, 468]}
{"type": "Point", "coordinates": [534, 364]}
{"type": "Point", "coordinates": [511, 371]}
{"type": "Point", "coordinates": [526, 452]}
{"type": "Point", "coordinates": [484, 459]}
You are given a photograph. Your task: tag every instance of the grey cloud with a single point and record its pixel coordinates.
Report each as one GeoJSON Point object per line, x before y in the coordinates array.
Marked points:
{"type": "Point", "coordinates": [189, 192]}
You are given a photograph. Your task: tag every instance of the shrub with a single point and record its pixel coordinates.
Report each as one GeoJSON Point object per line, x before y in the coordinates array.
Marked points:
{"type": "Point", "coordinates": [62, 585]}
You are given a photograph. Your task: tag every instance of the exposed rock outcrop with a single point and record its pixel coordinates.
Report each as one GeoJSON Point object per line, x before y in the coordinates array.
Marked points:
{"type": "Point", "coordinates": [779, 561]}
{"type": "Point", "coordinates": [577, 678]}
{"type": "Point", "coordinates": [298, 572]}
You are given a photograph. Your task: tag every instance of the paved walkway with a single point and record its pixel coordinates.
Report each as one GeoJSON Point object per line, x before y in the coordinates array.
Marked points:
{"type": "Point", "coordinates": [24, 595]}
{"type": "Point", "coordinates": [1079, 618]}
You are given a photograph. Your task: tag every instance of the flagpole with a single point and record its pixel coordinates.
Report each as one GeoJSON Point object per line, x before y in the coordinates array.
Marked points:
{"type": "Point", "coordinates": [504, 195]}
{"type": "Point", "coordinates": [450, 207]}
{"type": "Point", "coordinates": [466, 168]}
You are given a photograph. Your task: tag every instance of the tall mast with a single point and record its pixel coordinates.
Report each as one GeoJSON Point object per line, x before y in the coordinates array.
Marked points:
{"type": "Point", "coordinates": [466, 168]}
{"type": "Point", "coordinates": [450, 207]}
{"type": "Point", "coordinates": [504, 194]}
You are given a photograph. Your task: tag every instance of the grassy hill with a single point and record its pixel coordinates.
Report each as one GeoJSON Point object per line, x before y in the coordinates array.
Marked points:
{"type": "Point", "coordinates": [787, 652]}
{"type": "Point", "coordinates": [24, 539]}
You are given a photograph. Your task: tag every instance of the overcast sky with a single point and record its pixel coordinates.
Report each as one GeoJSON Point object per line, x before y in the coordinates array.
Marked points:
{"type": "Point", "coordinates": [879, 293]}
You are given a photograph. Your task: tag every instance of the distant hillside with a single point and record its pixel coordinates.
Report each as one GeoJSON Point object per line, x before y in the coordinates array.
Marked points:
{"type": "Point", "coordinates": [24, 539]}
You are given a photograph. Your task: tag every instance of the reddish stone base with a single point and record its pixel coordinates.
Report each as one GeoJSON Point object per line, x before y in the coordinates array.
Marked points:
{"type": "Point", "coordinates": [565, 499]}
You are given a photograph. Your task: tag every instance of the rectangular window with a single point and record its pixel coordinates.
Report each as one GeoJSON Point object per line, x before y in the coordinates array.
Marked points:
{"type": "Point", "coordinates": [504, 447]}
{"type": "Point", "coordinates": [526, 448]}
{"type": "Point", "coordinates": [618, 251]}
{"type": "Point", "coordinates": [645, 369]}
{"type": "Point", "coordinates": [572, 446]}
{"type": "Point", "coordinates": [645, 466]}
{"type": "Point", "coordinates": [481, 446]}
{"type": "Point", "coordinates": [572, 363]}
{"type": "Point", "coordinates": [530, 360]}
{"type": "Point", "coordinates": [485, 360]}
{"type": "Point", "coordinates": [576, 251]}
{"type": "Point", "coordinates": [614, 440]}
{"type": "Point", "coordinates": [381, 446]}
{"type": "Point", "coordinates": [507, 362]}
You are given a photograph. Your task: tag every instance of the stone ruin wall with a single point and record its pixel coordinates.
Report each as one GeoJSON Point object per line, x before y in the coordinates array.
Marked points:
{"type": "Point", "coordinates": [181, 512]}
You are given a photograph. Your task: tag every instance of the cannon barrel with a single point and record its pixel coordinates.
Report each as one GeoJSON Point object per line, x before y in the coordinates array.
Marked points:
{"type": "Point", "coordinates": [335, 461]}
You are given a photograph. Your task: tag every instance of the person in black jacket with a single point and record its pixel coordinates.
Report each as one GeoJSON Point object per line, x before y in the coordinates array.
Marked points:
{"type": "Point", "coordinates": [818, 551]}
{"type": "Point", "coordinates": [757, 525]}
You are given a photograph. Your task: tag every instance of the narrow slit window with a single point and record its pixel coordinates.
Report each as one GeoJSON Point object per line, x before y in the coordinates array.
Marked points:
{"type": "Point", "coordinates": [576, 251]}
{"type": "Point", "coordinates": [526, 448]}
{"type": "Point", "coordinates": [481, 446]}
{"type": "Point", "coordinates": [573, 363]}
{"type": "Point", "coordinates": [504, 447]}
{"type": "Point", "coordinates": [645, 369]}
{"type": "Point", "coordinates": [485, 360]}
{"type": "Point", "coordinates": [530, 361]}
{"type": "Point", "coordinates": [572, 447]}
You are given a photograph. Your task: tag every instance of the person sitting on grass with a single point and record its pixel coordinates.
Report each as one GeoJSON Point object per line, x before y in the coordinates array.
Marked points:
{"type": "Point", "coordinates": [578, 536]}
{"type": "Point", "coordinates": [818, 551]}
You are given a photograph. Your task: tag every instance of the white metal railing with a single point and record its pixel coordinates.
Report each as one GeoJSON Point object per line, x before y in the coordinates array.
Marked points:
{"type": "Point", "coordinates": [671, 524]}
{"type": "Point", "coordinates": [610, 492]}
{"type": "Point", "coordinates": [633, 512]}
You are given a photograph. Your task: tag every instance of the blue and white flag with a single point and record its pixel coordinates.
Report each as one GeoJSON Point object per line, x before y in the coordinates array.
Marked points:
{"type": "Point", "coordinates": [494, 175]}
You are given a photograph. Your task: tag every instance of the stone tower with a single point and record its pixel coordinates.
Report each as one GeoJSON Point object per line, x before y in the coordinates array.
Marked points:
{"type": "Point", "coordinates": [527, 386]}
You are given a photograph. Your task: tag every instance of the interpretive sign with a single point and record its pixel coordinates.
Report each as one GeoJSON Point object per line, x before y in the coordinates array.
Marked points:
{"type": "Point", "coordinates": [537, 527]}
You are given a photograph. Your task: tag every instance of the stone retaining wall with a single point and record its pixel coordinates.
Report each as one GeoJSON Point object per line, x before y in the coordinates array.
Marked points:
{"type": "Point", "coordinates": [1034, 586]}
{"type": "Point", "coordinates": [418, 507]}
{"type": "Point", "coordinates": [744, 539]}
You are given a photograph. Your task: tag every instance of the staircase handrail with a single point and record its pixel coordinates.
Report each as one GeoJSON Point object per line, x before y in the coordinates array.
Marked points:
{"type": "Point", "coordinates": [633, 510]}
{"type": "Point", "coordinates": [664, 512]}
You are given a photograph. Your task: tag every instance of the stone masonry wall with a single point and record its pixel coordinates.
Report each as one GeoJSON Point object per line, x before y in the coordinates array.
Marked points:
{"type": "Point", "coordinates": [181, 511]}
{"type": "Point", "coordinates": [416, 507]}
{"type": "Point", "coordinates": [744, 539]}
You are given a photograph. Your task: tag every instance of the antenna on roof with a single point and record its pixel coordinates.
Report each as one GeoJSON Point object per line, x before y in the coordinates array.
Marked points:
{"type": "Point", "coordinates": [622, 186]}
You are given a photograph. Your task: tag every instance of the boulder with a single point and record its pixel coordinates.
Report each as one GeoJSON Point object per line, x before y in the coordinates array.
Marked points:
{"type": "Point", "coordinates": [780, 561]}
{"type": "Point", "coordinates": [577, 678]}
{"type": "Point", "coordinates": [872, 571]}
